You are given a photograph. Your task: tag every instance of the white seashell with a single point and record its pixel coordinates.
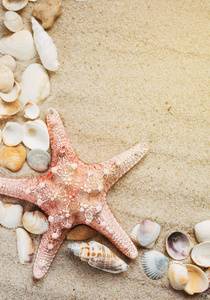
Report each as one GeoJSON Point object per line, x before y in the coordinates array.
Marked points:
{"type": "Point", "coordinates": [201, 254]}
{"type": "Point", "coordinates": [198, 281]}
{"type": "Point", "coordinates": [202, 231]}
{"type": "Point", "coordinates": [35, 84]}
{"type": "Point", "coordinates": [39, 160]}
{"type": "Point", "coordinates": [154, 264]}
{"type": "Point", "coordinates": [20, 45]}
{"type": "Point", "coordinates": [14, 4]}
{"type": "Point", "coordinates": [31, 110]}
{"type": "Point", "coordinates": [35, 222]}
{"type": "Point", "coordinates": [13, 21]}
{"type": "Point", "coordinates": [98, 256]}
{"type": "Point", "coordinates": [178, 276]}
{"type": "Point", "coordinates": [12, 134]}
{"type": "Point", "coordinates": [35, 136]}
{"type": "Point", "coordinates": [10, 215]}
{"type": "Point", "coordinates": [8, 61]}
{"type": "Point", "coordinates": [25, 246]}
{"type": "Point", "coordinates": [13, 94]}
{"type": "Point", "coordinates": [178, 245]}
{"type": "Point", "coordinates": [45, 47]}
{"type": "Point", "coordinates": [146, 233]}
{"type": "Point", "coordinates": [41, 123]}
{"type": "Point", "coordinates": [8, 109]}
{"type": "Point", "coordinates": [6, 79]}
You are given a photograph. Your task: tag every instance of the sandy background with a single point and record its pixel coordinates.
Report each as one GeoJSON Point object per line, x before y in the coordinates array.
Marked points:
{"type": "Point", "coordinates": [130, 71]}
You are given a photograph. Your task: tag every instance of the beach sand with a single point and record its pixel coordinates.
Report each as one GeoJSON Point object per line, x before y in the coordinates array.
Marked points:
{"type": "Point", "coordinates": [129, 71]}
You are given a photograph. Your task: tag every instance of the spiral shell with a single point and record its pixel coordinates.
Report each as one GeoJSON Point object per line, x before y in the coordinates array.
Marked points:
{"type": "Point", "coordinates": [14, 4]}
{"type": "Point", "coordinates": [202, 231]}
{"type": "Point", "coordinates": [35, 222]}
{"type": "Point", "coordinates": [25, 246]}
{"type": "Point", "coordinates": [178, 245]}
{"type": "Point", "coordinates": [6, 79]}
{"type": "Point", "coordinates": [8, 61]}
{"type": "Point", "coordinates": [13, 21]}
{"type": "Point", "coordinates": [12, 158]}
{"type": "Point", "coordinates": [178, 275]}
{"type": "Point", "coordinates": [198, 281]}
{"type": "Point", "coordinates": [10, 215]}
{"type": "Point", "coordinates": [201, 254]}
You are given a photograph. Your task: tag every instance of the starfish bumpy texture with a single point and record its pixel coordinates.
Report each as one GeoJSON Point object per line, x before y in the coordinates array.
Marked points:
{"type": "Point", "coordinates": [73, 193]}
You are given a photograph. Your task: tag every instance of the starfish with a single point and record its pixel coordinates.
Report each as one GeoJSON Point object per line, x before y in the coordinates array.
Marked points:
{"type": "Point", "coordinates": [73, 193]}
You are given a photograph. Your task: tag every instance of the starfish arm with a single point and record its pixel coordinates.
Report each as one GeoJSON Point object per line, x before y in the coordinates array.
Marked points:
{"type": "Point", "coordinates": [107, 225]}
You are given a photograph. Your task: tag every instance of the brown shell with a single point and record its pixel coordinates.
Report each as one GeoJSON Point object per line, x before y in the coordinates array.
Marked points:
{"type": "Point", "coordinates": [8, 109]}
{"type": "Point", "coordinates": [13, 158]}
{"type": "Point", "coordinates": [81, 233]}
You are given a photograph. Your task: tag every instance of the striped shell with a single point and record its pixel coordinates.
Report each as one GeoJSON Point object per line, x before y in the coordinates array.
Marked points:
{"type": "Point", "coordinates": [25, 246]}
{"type": "Point", "coordinates": [198, 281]}
{"type": "Point", "coordinates": [8, 61]}
{"type": "Point", "coordinates": [8, 109]}
{"type": "Point", "coordinates": [178, 276]}
{"type": "Point", "coordinates": [10, 215]}
{"type": "Point", "coordinates": [6, 79]}
{"type": "Point", "coordinates": [35, 222]}
{"type": "Point", "coordinates": [13, 158]}
{"type": "Point", "coordinates": [178, 245]}
{"type": "Point", "coordinates": [201, 254]}
{"type": "Point", "coordinates": [98, 256]}
{"type": "Point", "coordinates": [202, 231]}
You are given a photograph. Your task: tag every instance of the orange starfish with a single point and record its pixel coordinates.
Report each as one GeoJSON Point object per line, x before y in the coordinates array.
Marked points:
{"type": "Point", "coordinates": [72, 193]}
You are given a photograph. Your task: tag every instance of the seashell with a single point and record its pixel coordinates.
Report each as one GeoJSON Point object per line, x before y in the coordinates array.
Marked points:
{"type": "Point", "coordinates": [35, 136]}
{"type": "Point", "coordinates": [12, 134]}
{"type": "Point", "coordinates": [198, 281]}
{"type": "Point", "coordinates": [20, 45]}
{"type": "Point", "coordinates": [6, 79]}
{"type": "Point", "coordinates": [81, 233]}
{"type": "Point", "coordinates": [178, 275]}
{"type": "Point", "coordinates": [98, 256]}
{"type": "Point", "coordinates": [14, 5]}
{"type": "Point", "coordinates": [45, 47]}
{"type": "Point", "coordinates": [146, 233]}
{"type": "Point", "coordinates": [154, 264]}
{"type": "Point", "coordinates": [9, 109]}
{"type": "Point", "coordinates": [8, 61]}
{"type": "Point", "coordinates": [202, 231]}
{"type": "Point", "coordinates": [25, 246]}
{"type": "Point", "coordinates": [13, 94]}
{"type": "Point", "coordinates": [10, 215]}
{"type": "Point", "coordinates": [13, 21]}
{"type": "Point", "coordinates": [39, 160]}
{"type": "Point", "coordinates": [178, 245]}
{"type": "Point", "coordinates": [35, 222]}
{"type": "Point", "coordinates": [41, 123]}
{"type": "Point", "coordinates": [31, 110]}
{"type": "Point", "coordinates": [13, 158]}
{"type": "Point", "coordinates": [35, 84]}
{"type": "Point", "coordinates": [201, 254]}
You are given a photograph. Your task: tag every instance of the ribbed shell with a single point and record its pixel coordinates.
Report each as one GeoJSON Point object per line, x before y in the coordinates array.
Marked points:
{"type": "Point", "coordinates": [13, 158]}
{"type": "Point", "coordinates": [6, 79]}
{"type": "Point", "coordinates": [201, 254]}
{"type": "Point", "coordinates": [10, 215]}
{"type": "Point", "coordinates": [25, 246]}
{"type": "Point", "coordinates": [178, 276]}
{"type": "Point", "coordinates": [198, 281]}
{"type": "Point", "coordinates": [35, 222]}
{"type": "Point", "coordinates": [8, 109]}
{"type": "Point", "coordinates": [202, 231]}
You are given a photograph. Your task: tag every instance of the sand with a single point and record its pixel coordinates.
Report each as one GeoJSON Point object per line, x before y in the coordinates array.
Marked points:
{"type": "Point", "coordinates": [129, 71]}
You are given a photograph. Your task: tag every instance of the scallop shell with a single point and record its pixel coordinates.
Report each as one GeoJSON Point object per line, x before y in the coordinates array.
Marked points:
{"type": "Point", "coordinates": [39, 160]}
{"type": "Point", "coordinates": [45, 47]}
{"type": "Point", "coordinates": [81, 233]}
{"type": "Point", "coordinates": [35, 136]}
{"type": "Point", "coordinates": [178, 245]}
{"type": "Point", "coordinates": [6, 79]}
{"type": "Point", "coordinates": [178, 276]}
{"type": "Point", "coordinates": [13, 158]}
{"type": "Point", "coordinates": [31, 110]}
{"type": "Point", "coordinates": [10, 215]}
{"type": "Point", "coordinates": [202, 231]}
{"type": "Point", "coordinates": [13, 21]}
{"type": "Point", "coordinates": [201, 254]}
{"type": "Point", "coordinates": [13, 94]}
{"type": "Point", "coordinates": [98, 256]}
{"type": "Point", "coordinates": [12, 134]}
{"type": "Point", "coordinates": [154, 264]}
{"type": "Point", "coordinates": [198, 281]}
{"type": "Point", "coordinates": [14, 5]}
{"type": "Point", "coordinates": [20, 45]}
{"type": "Point", "coordinates": [8, 61]}
{"type": "Point", "coordinates": [146, 233]}
{"type": "Point", "coordinates": [35, 84]}
{"type": "Point", "coordinates": [35, 222]}
{"type": "Point", "coordinates": [9, 109]}
{"type": "Point", "coordinates": [25, 246]}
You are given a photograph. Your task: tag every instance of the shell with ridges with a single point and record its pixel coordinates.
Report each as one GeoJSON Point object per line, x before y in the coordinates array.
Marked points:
{"type": "Point", "coordinates": [201, 254]}
{"type": "Point", "coordinates": [8, 61]}
{"type": "Point", "coordinates": [13, 158]}
{"type": "Point", "coordinates": [25, 246]}
{"type": "Point", "coordinates": [13, 21]}
{"type": "Point", "coordinates": [10, 215]}
{"type": "Point", "coordinates": [13, 94]}
{"type": "Point", "coordinates": [6, 79]}
{"type": "Point", "coordinates": [98, 256]}
{"type": "Point", "coordinates": [178, 245]}
{"type": "Point", "coordinates": [12, 134]}
{"type": "Point", "coordinates": [35, 222]}
{"type": "Point", "coordinates": [202, 231]}
{"type": "Point", "coordinates": [8, 109]}
{"type": "Point", "coordinates": [14, 5]}
{"type": "Point", "coordinates": [39, 160]}
{"type": "Point", "coordinates": [31, 110]}
{"type": "Point", "coordinates": [178, 276]}
{"type": "Point", "coordinates": [35, 136]}
{"type": "Point", "coordinates": [198, 281]}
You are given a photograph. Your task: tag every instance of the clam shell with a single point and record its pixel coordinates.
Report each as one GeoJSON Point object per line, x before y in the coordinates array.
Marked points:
{"type": "Point", "coordinates": [6, 79]}
{"type": "Point", "coordinates": [8, 61]}
{"type": "Point", "coordinates": [35, 136]}
{"type": "Point", "coordinates": [178, 245]}
{"type": "Point", "coordinates": [41, 123]}
{"type": "Point", "coordinates": [146, 233]}
{"type": "Point", "coordinates": [202, 231]}
{"type": "Point", "coordinates": [12, 134]}
{"type": "Point", "coordinates": [98, 256]}
{"type": "Point", "coordinates": [201, 254]}
{"type": "Point", "coordinates": [13, 21]}
{"type": "Point", "coordinates": [8, 109]}
{"type": "Point", "coordinates": [31, 110]}
{"type": "Point", "coordinates": [10, 215]}
{"type": "Point", "coordinates": [45, 47]}
{"type": "Point", "coordinates": [14, 5]}
{"type": "Point", "coordinates": [81, 233]}
{"type": "Point", "coordinates": [20, 45]}
{"type": "Point", "coordinates": [39, 160]}
{"type": "Point", "coordinates": [13, 94]}
{"type": "Point", "coordinates": [35, 222]}
{"type": "Point", "coordinates": [12, 158]}
{"type": "Point", "coordinates": [25, 246]}
{"type": "Point", "coordinates": [198, 281]}
{"type": "Point", "coordinates": [35, 84]}
{"type": "Point", "coordinates": [154, 264]}
{"type": "Point", "coordinates": [178, 276]}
